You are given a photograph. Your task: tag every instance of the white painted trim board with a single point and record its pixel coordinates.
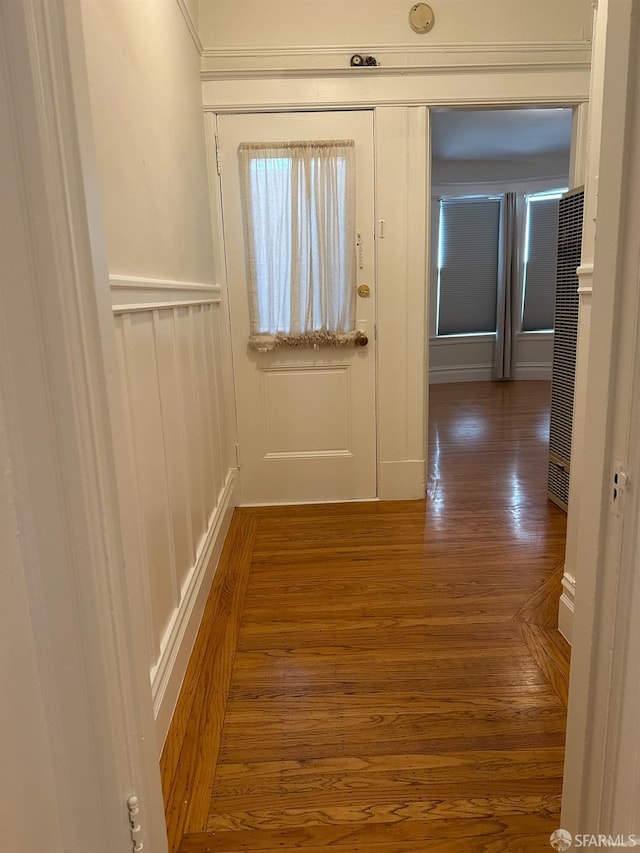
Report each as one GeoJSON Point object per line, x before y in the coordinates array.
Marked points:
{"type": "Point", "coordinates": [179, 638]}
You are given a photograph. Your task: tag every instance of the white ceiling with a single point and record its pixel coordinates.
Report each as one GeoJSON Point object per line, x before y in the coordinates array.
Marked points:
{"type": "Point", "coordinates": [500, 134]}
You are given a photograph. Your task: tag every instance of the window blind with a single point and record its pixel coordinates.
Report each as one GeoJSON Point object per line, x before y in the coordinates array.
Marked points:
{"type": "Point", "coordinates": [540, 264]}
{"type": "Point", "coordinates": [468, 265]}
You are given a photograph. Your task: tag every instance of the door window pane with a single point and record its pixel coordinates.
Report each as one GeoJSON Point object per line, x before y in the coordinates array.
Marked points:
{"type": "Point", "coordinates": [299, 210]}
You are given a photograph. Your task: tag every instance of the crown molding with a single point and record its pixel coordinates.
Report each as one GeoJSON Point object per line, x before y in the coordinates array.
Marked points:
{"type": "Point", "coordinates": [191, 25]}
{"type": "Point", "coordinates": [279, 51]}
{"type": "Point", "coordinates": [247, 63]}
{"type": "Point", "coordinates": [385, 71]}
{"type": "Point", "coordinates": [511, 77]}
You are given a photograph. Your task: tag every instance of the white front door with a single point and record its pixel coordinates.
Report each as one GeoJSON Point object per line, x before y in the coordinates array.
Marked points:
{"type": "Point", "coordinates": [306, 417]}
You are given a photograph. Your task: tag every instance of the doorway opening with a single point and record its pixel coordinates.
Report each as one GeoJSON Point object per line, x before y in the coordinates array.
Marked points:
{"type": "Point", "coordinates": [496, 179]}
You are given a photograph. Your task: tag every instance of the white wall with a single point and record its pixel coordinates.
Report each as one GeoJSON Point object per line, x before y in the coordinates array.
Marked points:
{"type": "Point", "coordinates": [169, 316]}
{"type": "Point", "coordinates": [143, 76]}
{"type": "Point", "coordinates": [524, 174]}
{"type": "Point", "coordinates": [327, 33]}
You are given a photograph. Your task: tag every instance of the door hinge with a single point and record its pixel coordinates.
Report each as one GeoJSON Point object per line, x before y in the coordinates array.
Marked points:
{"type": "Point", "coordinates": [218, 155]}
{"type": "Point", "coordinates": [133, 806]}
{"type": "Point", "coordinates": [237, 455]}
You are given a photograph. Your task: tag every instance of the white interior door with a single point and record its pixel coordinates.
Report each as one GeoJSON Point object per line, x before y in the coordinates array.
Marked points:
{"type": "Point", "coordinates": [306, 417]}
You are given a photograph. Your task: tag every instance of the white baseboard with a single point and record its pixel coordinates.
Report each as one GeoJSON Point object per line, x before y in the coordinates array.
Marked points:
{"type": "Point", "coordinates": [566, 607]}
{"type": "Point", "coordinates": [461, 373]}
{"type": "Point", "coordinates": [534, 370]}
{"type": "Point", "coordinates": [402, 481]}
{"type": "Point", "coordinates": [484, 372]}
{"type": "Point", "coordinates": [179, 638]}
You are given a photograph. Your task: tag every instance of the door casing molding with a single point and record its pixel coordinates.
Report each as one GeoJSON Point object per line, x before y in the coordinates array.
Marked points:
{"type": "Point", "coordinates": [402, 137]}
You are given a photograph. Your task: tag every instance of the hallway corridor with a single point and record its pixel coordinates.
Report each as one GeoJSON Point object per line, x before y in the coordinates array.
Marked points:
{"type": "Point", "coordinates": [386, 677]}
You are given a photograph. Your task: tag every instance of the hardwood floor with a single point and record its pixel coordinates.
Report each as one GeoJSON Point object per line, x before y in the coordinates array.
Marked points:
{"type": "Point", "coordinates": [386, 676]}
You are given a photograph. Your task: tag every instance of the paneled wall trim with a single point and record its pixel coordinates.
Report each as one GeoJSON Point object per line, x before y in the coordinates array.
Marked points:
{"type": "Point", "coordinates": [131, 293]}
{"type": "Point", "coordinates": [167, 676]}
{"type": "Point", "coordinates": [172, 360]}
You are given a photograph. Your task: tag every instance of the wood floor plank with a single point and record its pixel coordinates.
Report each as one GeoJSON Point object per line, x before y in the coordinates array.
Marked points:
{"type": "Point", "coordinates": [481, 607]}
{"type": "Point", "coordinates": [408, 728]}
{"type": "Point", "coordinates": [526, 831]}
{"type": "Point", "coordinates": [432, 810]}
{"type": "Point", "coordinates": [402, 762]}
{"type": "Point", "coordinates": [464, 700]}
{"type": "Point", "coordinates": [367, 746]}
{"type": "Point", "coordinates": [392, 679]}
{"type": "Point", "coordinates": [371, 635]}
{"type": "Point", "coordinates": [355, 782]}
{"type": "Point", "coordinates": [493, 668]}
{"type": "Point", "coordinates": [281, 624]}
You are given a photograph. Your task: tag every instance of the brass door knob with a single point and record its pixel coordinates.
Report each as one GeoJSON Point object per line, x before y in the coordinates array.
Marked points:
{"type": "Point", "coordinates": [364, 290]}
{"type": "Point", "coordinates": [361, 339]}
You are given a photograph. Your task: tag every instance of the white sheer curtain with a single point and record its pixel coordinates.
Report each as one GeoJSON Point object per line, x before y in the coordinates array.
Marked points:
{"type": "Point", "coordinates": [299, 214]}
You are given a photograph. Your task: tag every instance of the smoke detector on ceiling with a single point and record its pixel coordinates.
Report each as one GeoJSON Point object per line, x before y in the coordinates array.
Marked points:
{"type": "Point", "coordinates": [421, 18]}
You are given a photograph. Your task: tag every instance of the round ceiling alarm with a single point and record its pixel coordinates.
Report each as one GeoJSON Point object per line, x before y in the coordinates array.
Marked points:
{"type": "Point", "coordinates": [421, 18]}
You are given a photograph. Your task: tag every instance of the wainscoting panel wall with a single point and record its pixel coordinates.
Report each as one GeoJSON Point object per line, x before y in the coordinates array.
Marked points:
{"type": "Point", "coordinates": [171, 346]}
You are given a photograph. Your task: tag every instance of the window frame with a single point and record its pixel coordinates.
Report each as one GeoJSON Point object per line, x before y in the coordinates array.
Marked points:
{"type": "Point", "coordinates": [472, 198]}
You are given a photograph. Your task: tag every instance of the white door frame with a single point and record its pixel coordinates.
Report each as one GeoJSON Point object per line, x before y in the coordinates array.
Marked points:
{"type": "Point", "coordinates": [402, 102]}
{"type": "Point", "coordinates": [602, 770]}
{"type": "Point", "coordinates": [57, 380]}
